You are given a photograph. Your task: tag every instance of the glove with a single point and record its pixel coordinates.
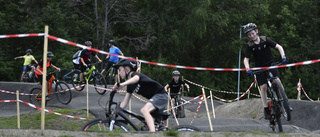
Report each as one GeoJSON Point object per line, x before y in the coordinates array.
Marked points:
{"type": "Point", "coordinates": [250, 73]}
{"type": "Point", "coordinates": [284, 61]}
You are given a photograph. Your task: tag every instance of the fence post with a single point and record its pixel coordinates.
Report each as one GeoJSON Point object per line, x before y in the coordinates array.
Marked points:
{"type": "Point", "coordinates": [299, 89]}
{"type": "Point", "coordinates": [87, 82]}
{"type": "Point", "coordinates": [168, 106]}
{"type": "Point", "coordinates": [44, 79]}
{"type": "Point", "coordinates": [18, 110]}
{"type": "Point", "coordinates": [205, 101]}
{"type": "Point", "coordinates": [213, 112]}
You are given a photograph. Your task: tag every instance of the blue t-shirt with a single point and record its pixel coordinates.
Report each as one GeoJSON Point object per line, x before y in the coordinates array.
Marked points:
{"type": "Point", "coordinates": [115, 51]}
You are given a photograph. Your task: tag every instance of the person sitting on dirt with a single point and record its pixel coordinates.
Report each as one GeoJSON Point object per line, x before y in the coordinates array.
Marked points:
{"type": "Point", "coordinates": [39, 71]}
{"type": "Point", "coordinates": [28, 58]}
{"type": "Point", "coordinates": [85, 59]}
{"type": "Point", "coordinates": [260, 46]}
{"type": "Point", "coordinates": [143, 85]}
{"type": "Point", "coordinates": [175, 85]}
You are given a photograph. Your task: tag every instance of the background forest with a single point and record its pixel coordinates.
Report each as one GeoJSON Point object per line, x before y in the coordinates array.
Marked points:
{"type": "Point", "coordinates": [199, 33]}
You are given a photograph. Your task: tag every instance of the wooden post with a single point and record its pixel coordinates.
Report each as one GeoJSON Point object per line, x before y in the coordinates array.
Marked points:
{"type": "Point", "coordinates": [18, 110]}
{"type": "Point", "coordinates": [299, 89]}
{"type": "Point", "coordinates": [249, 94]}
{"type": "Point", "coordinates": [44, 78]}
{"type": "Point", "coordinates": [168, 106]}
{"type": "Point", "coordinates": [205, 101]}
{"type": "Point", "coordinates": [213, 112]}
{"type": "Point", "coordinates": [87, 82]}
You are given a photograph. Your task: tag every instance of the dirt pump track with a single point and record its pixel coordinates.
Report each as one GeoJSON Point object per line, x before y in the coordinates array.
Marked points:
{"type": "Point", "coordinates": [242, 116]}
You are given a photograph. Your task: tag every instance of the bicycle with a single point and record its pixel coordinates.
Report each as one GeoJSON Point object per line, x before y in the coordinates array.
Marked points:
{"type": "Point", "coordinates": [111, 123]}
{"type": "Point", "coordinates": [62, 91]}
{"type": "Point", "coordinates": [278, 101]}
{"type": "Point", "coordinates": [65, 74]}
{"type": "Point", "coordinates": [92, 75]}
{"type": "Point", "coordinates": [179, 111]}
{"type": "Point", "coordinates": [29, 76]}
{"type": "Point", "coordinates": [110, 75]}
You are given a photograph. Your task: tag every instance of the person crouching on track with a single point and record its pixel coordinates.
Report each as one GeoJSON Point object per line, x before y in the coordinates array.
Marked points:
{"type": "Point", "coordinates": [143, 85]}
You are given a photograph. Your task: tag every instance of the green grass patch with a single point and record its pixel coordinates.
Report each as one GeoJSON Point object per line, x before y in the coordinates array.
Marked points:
{"type": "Point", "coordinates": [171, 133]}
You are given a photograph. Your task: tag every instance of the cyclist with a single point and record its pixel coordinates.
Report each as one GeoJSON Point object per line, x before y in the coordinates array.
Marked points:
{"type": "Point", "coordinates": [143, 85]}
{"type": "Point", "coordinates": [175, 85]}
{"type": "Point", "coordinates": [39, 70]}
{"type": "Point", "coordinates": [112, 59]}
{"type": "Point", "coordinates": [27, 61]}
{"type": "Point", "coordinates": [260, 46]}
{"type": "Point", "coordinates": [84, 59]}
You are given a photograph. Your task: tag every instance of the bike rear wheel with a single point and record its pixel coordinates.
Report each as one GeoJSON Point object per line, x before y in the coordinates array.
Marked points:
{"type": "Point", "coordinates": [75, 76]}
{"type": "Point", "coordinates": [284, 105]}
{"type": "Point", "coordinates": [100, 83]}
{"type": "Point", "coordinates": [186, 128]}
{"type": "Point", "coordinates": [180, 111]}
{"type": "Point", "coordinates": [110, 76]}
{"type": "Point", "coordinates": [36, 96]}
{"type": "Point", "coordinates": [279, 123]}
{"type": "Point", "coordinates": [63, 92]}
{"type": "Point", "coordinates": [104, 125]}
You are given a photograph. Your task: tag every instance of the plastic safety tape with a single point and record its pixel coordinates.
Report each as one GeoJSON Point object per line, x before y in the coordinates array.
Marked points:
{"type": "Point", "coordinates": [22, 35]}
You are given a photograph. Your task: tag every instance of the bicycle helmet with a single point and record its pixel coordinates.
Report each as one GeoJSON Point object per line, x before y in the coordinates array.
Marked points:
{"type": "Point", "coordinates": [176, 73]}
{"type": "Point", "coordinates": [29, 50]}
{"type": "Point", "coordinates": [49, 54]}
{"type": "Point", "coordinates": [124, 62]}
{"type": "Point", "coordinates": [88, 43]}
{"type": "Point", "coordinates": [112, 42]}
{"type": "Point", "coordinates": [249, 27]}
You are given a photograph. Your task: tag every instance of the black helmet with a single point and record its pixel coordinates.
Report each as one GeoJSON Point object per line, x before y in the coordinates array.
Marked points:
{"type": "Point", "coordinates": [112, 42]}
{"type": "Point", "coordinates": [29, 50]}
{"type": "Point", "coordinates": [88, 43]}
{"type": "Point", "coordinates": [249, 27]}
{"type": "Point", "coordinates": [124, 62]}
{"type": "Point", "coordinates": [49, 54]}
{"type": "Point", "coordinates": [176, 73]}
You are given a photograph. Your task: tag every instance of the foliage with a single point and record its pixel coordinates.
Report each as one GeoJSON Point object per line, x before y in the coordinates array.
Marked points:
{"type": "Point", "coordinates": [201, 33]}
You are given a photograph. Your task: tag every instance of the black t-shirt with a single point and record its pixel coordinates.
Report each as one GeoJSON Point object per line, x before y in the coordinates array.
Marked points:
{"type": "Point", "coordinates": [175, 87]}
{"type": "Point", "coordinates": [146, 86]}
{"type": "Point", "coordinates": [261, 52]}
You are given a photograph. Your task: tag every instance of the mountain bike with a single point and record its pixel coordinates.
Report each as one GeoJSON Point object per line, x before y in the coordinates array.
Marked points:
{"type": "Point", "coordinates": [113, 123]}
{"type": "Point", "coordinates": [62, 91]}
{"type": "Point", "coordinates": [93, 77]}
{"type": "Point", "coordinates": [278, 103]}
{"type": "Point", "coordinates": [65, 74]}
{"type": "Point", "coordinates": [29, 76]}
{"type": "Point", "coordinates": [110, 75]}
{"type": "Point", "coordinates": [179, 111]}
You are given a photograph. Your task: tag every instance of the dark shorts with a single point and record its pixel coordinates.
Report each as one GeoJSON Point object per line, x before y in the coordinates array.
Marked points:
{"type": "Point", "coordinates": [159, 101]}
{"type": "Point", "coordinates": [77, 66]}
{"type": "Point", "coordinates": [109, 65]}
{"type": "Point", "coordinates": [82, 67]}
{"type": "Point", "coordinates": [262, 77]}
{"type": "Point", "coordinates": [39, 78]}
{"type": "Point", "coordinates": [25, 67]}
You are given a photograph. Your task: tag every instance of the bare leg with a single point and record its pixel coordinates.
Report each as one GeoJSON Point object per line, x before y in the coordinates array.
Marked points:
{"type": "Point", "coordinates": [263, 90]}
{"type": "Point", "coordinates": [145, 110]}
{"type": "Point", "coordinates": [22, 75]}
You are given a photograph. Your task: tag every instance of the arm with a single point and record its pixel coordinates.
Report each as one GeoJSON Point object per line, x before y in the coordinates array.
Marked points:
{"type": "Point", "coordinates": [98, 58]}
{"type": "Point", "coordinates": [18, 57]}
{"type": "Point", "coordinates": [38, 69]}
{"type": "Point", "coordinates": [35, 61]}
{"type": "Point", "coordinates": [54, 67]}
{"type": "Point", "coordinates": [133, 80]}
{"type": "Point", "coordinates": [281, 51]}
{"type": "Point", "coordinates": [185, 84]}
{"type": "Point", "coordinates": [246, 63]}
{"type": "Point", "coordinates": [121, 53]}
{"type": "Point", "coordinates": [125, 101]}
{"type": "Point", "coordinates": [82, 60]}
{"type": "Point", "coordinates": [166, 87]}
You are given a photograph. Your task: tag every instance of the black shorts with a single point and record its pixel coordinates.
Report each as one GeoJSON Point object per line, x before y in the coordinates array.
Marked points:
{"type": "Point", "coordinates": [159, 100]}
{"type": "Point", "coordinates": [262, 77]}
{"type": "Point", "coordinates": [77, 66]}
{"type": "Point", "coordinates": [82, 67]}
{"type": "Point", "coordinates": [39, 78]}
{"type": "Point", "coordinates": [109, 65]}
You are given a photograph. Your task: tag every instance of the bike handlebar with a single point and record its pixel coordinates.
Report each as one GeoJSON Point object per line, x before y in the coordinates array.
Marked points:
{"type": "Point", "coordinates": [263, 70]}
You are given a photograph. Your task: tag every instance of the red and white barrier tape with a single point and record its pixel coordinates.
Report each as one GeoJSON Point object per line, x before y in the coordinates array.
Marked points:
{"type": "Point", "coordinates": [178, 66]}
{"type": "Point", "coordinates": [185, 102]}
{"type": "Point", "coordinates": [22, 35]}
{"type": "Point", "coordinates": [300, 85]}
{"type": "Point", "coordinates": [194, 117]}
{"type": "Point", "coordinates": [219, 90]}
{"type": "Point", "coordinates": [49, 111]}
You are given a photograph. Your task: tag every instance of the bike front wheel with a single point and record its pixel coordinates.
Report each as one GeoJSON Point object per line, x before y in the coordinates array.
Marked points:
{"type": "Point", "coordinates": [100, 83]}
{"type": "Point", "coordinates": [284, 104]}
{"type": "Point", "coordinates": [104, 125]}
{"type": "Point", "coordinates": [63, 92]}
{"type": "Point", "coordinates": [36, 96]}
{"type": "Point", "coordinates": [63, 75]}
{"type": "Point", "coordinates": [186, 128]}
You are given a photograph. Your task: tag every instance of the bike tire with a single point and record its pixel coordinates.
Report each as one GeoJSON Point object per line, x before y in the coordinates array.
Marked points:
{"type": "Point", "coordinates": [62, 75]}
{"type": "Point", "coordinates": [75, 76]}
{"type": "Point", "coordinates": [279, 123]}
{"type": "Point", "coordinates": [181, 112]}
{"type": "Point", "coordinates": [63, 96]}
{"type": "Point", "coordinates": [35, 97]}
{"type": "Point", "coordinates": [186, 128]}
{"type": "Point", "coordinates": [103, 125]}
{"type": "Point", "coordinates": [100, 83]}
{"type": "Point", "coordinates": [283, 99]}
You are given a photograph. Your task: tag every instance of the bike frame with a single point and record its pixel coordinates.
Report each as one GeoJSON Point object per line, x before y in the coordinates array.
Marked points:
{"type": "Point", "coordinates": [50, 83]}
{"type": "Point", "coordinates": [87, 75]}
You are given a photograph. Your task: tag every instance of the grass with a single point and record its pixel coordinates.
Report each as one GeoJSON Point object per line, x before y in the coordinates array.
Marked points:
{"type": "Point", "coordinates": [32, 120]}
{"type": "Point", "coordinates": [171, 133]}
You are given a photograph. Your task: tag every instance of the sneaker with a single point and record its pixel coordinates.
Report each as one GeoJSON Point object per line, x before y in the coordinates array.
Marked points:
{"type": "Point", "coordinates": [267, 113]}
{"type": "Point", "coordinates": [48, 97]}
